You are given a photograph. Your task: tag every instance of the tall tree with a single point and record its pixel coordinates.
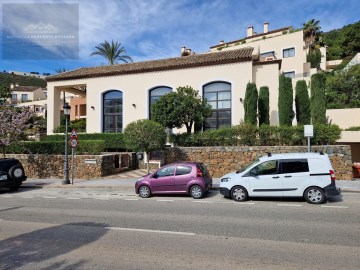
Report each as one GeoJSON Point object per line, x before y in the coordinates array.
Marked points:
{"type": "Point", "coordinates": [318, 99]}
{"type": "Point", "coordinates": [311, 30]}
{"type": "Point", "coordinates": [14, 122]}
{"type": "Point", "coordinates": [250, 104]}
{"type": "Point", "coordinates": [145, 135]}
{"type": "Point", "coordinates": [183, 107]}
{"type": "Point", "coordinates": [302, 103]}
{"type": "Point", "coordinates": [286, 113]}
{"type": "Point", "coordinates": [112, 52]}
{"type": "Point", "coordinates": [263, 105]}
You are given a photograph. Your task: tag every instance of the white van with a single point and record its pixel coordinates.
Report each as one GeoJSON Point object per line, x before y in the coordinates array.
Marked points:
{"type": "Point", "coordinates": [308, 175]}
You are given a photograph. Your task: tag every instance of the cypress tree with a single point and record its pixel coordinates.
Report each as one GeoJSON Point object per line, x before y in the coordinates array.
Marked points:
{"type": "Point", "coordinates": [317, 101]}
{"type": "Point", "coordinates": [263, 106]}
{"type": "Point", "coordinates": [302, 103]}
{"type": "Point", "coordinates": [250, 104]}
{"type": "Point", "coordinates": [285, 102]}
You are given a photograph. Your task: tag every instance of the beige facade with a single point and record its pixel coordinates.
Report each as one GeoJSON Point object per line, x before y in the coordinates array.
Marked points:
{"type": "Point", "coordinates": [285, 44]}
{"type": "Point", "coordinates": [135, 85]}
{"type": "Point", "coordinates": [26, 93]}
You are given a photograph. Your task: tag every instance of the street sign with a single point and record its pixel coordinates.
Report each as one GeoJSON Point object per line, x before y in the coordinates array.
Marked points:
{"type": "Point", "coordinates": [308, 130]}
{"type": "Point", "coordinates": [73, 142]}
{"type": "Point", "coordinates": [73, 133]}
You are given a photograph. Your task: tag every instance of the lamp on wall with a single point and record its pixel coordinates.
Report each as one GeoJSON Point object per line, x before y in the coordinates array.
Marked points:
{"type": "Point", "coordinates": [241, 100]}
{"type": "Point", "coordinates": [92, 107]}
{"type": "Point", "coordinates": [134, 105]}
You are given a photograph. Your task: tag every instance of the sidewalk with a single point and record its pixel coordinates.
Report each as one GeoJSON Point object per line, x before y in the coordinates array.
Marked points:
{"type": "Point", "coordinates": [126, 181]}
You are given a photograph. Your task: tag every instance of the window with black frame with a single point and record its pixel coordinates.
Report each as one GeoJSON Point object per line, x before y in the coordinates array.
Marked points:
{"type": "Point", "coordinates": [218, 96]}
{"type": "Point", "coordinates": [113, 111]}
{"type": "Point", "coordinates": [155, 94]}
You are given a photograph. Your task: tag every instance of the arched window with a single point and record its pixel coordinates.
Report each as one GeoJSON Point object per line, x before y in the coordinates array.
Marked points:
{"type": "Point", "coordinates": [155, 94]}
{"type": "Point", "coordinates": [218, 95]}
{"type": "Point", "coordinates": [113, 111]}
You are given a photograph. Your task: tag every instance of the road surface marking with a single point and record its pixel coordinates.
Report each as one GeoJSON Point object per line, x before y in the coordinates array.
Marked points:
{"type": "Point", "coordinates": [73, 198]}
{"type": "Point", "coordinates": [48, 197]}
{"type": "Point", "coordinates": [203, 201]}
{"type": "Point", "coordinates": [284, 204]}
{"type": "Point", "coordinates": [330, 206]}
{"type": "Point", "coordinates": [164, 200]}
{"type": "Point", "coordinates": [244, 203]}
{"type": "Point", "coordinates": [150, 231]}
{"type": "Point", "coordinates": [7, 196]}
{"type": "Point", "coordinates": [131, 199]}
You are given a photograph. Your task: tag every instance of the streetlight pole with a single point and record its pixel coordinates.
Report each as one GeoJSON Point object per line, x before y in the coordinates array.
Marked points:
{"type": "Point", "coordinates": [66, 180]}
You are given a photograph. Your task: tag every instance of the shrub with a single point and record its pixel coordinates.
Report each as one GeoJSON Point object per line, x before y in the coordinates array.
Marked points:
{"type": "Point", "coordinates": [263, 106]}
{"type": "Point", "coordinates": [317, 101]}
{"type": "Point", "coordinates": [302, 103]}
{"type": "Point", "coordinates": [90, 147]}
{"type": "Point", "coordinates": [251, 104]}
{"type": "Point", "coordinates": [285, 102]}
{"type": "Point", "coordinates": [113, 141]}
{"type": "Point", "coordinates": [353, 129]}
{"type": "Point", "coordinates": [79, 125]}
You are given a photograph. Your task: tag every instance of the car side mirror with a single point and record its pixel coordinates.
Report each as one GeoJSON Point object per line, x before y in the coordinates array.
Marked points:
{"type": "Point", "coordinates": [154, 176]}
{"type": "Point", "coordinates": [254, 172]}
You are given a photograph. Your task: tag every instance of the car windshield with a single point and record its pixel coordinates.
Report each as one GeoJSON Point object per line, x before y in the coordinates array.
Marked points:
{"type": "Point", "coordinates": [248, 166]}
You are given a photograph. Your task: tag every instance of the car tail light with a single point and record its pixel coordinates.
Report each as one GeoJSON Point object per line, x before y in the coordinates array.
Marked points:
{"type": "Point", "coordinates": [199, 172]}
{"type": "Point", "coordinates": [332, 175]}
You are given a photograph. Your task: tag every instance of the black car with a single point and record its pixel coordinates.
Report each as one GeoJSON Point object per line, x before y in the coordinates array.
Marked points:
{"type": "Point", "coordinates": [11, 173]}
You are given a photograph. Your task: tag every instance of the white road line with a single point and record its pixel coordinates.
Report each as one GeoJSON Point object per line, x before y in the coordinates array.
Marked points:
{"type": "Point", "coordinates": [164, 200]}
{"type": "Point", "coordinates": [330, 206]}
{"type": "Point", "coordinates": [150, 231]}
{"type": "Point", "coordinates": [203, 201]}
{"type": "Point", "coordinates": [244, 203]}
{"type": "Point", "coordinates": [73, 198]}
{"type": "Point", "coordinates": [131, 199]}
{"type": "Point", "coordinates": [48, 197]}
{"type": "Point", "coordinates": [284, 204]}
{"type": "Point", "coordinates": [7, 196]}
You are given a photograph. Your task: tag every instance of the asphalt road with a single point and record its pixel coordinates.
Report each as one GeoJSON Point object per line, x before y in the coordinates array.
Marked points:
{"type": "Point", "coordinates": [103, 229]}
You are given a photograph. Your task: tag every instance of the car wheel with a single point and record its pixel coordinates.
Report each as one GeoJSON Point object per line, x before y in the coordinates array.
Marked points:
{"type": "Point", "coordinates": [196, 192]}
{"type": "Point", "coordinates": [16, 172]}
{"type": "Point", "coordinates": [314, 195]}
{"type": "Point", "coordinates": [239, 194]}
{"type": "Point", "coordinates": [144, 192]}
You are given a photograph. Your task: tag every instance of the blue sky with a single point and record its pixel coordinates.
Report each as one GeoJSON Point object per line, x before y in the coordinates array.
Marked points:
{"type": "Point", "coordinates": [156, 29]}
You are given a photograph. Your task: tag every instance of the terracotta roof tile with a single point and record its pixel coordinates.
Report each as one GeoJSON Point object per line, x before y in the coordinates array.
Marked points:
{"type": "Point", "coordinates": [25, 88]}
{"type": "Point", "coordinates": [197, 60]}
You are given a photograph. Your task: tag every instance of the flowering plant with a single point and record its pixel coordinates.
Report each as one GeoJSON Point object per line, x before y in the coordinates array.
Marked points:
{"type": "Point", "coordinates": [356, 165]}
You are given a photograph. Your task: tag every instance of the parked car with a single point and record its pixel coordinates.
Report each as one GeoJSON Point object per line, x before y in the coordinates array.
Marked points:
{"type": "Point", "coordinates": [178, 178]}
{"type": "Point", "coordinates": [307, 175]}
{"type": "Point", "coordinates": [12, 173]}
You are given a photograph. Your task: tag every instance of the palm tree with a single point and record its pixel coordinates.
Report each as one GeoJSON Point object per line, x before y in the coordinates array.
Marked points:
{"type": "Point", "coordinates": [311, 30]}
{"type": "Point", "coordinates": [112, 52]}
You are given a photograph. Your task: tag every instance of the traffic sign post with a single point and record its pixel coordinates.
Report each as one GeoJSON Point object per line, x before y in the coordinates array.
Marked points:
{"type": "Point", "coordinates": [309, 133]}
{"type": "Point", "coordinates": [73, 144]}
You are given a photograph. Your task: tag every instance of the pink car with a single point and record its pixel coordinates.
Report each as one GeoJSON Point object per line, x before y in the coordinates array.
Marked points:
{"type": "Point", "coordinates": [177, 178]}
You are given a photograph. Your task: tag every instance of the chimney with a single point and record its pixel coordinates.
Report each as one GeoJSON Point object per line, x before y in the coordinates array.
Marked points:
{"type": "Point", "coordinates": [16, 84]}
{"type": "Point", "coordinates": [221, 42]}
{"type": "Point", "coordinates": [188, 51]}
{"type": "Point", "coordinates": [266, 27]}
{"type": "Point", "coordinates": [183, 48]}
{"type": "Point", "coordinates": [250, 31]}
{"type": "Point", "coordinates": [11, 86]}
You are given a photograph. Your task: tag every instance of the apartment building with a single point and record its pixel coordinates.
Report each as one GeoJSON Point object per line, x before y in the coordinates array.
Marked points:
{"type": "Point", "coordinates": [285, 44]}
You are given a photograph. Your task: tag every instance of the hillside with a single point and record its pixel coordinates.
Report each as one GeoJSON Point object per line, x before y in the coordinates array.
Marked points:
{"type": "Point", "coordinates": [6, 79]}
{"type": "Point", "coordinates": [342, 43]}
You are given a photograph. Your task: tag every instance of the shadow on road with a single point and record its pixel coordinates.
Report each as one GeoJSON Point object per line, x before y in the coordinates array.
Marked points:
{"type": "Point", "coordinates": [41, 245]}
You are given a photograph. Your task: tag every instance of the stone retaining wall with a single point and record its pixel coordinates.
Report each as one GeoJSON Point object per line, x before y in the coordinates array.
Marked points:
{"type": "Point", "coordinates": [52, 166]}
{"type": "Point", "coordinates": [224, 159]}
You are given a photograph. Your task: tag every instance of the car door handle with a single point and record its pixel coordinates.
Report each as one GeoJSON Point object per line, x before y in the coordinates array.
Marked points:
{"type": "Point", "coordinates": [287, 176]}
{"type": "Point", "coordinates": [274, 177]}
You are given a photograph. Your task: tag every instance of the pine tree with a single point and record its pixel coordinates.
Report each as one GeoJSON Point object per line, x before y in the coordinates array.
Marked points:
{"type": "Point", "coordinates": [250, 104]}
{"type": "Point", "coordinates": [286, 113]}
{"type": "Point", "coordinates": [302, 103]}
{"type": "Point", "coordinates": [318, 101]}
{"type": "Point", "coordinates": [263, 106]}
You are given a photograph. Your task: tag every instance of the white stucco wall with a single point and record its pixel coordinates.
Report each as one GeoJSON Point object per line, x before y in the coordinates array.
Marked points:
{"type": "Point", "coordinates": [135, 88]}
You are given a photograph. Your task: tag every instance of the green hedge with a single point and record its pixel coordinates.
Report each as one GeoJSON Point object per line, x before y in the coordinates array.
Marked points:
{"type": "Point", "coordinates": [246, 134]}
{"type": "Point", "coordinates": [90, 147]}
{"type": "Point", "coordinates": [113, 141]}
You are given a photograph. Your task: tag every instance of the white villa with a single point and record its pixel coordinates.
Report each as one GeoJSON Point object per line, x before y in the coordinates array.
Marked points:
{"type": "Point", "coordinates": [120, 94]}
